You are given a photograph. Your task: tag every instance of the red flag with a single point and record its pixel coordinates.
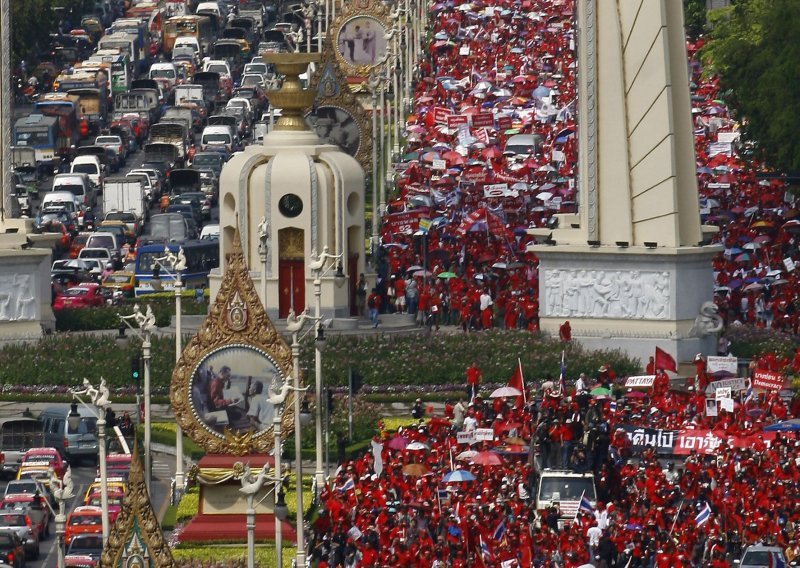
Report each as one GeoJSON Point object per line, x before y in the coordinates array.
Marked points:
{"type": "Point", "coordinates": [517, 381]}
{"type": "Point", "coordinates": [665, 361]}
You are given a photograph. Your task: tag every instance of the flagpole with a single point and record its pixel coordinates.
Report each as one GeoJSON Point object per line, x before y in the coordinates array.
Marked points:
{"type": "Point", "coordinates": [677, 514]}
{"type": "Point", "coordinates": [578, 510]}
{"type": "Point", "coordinates": [522, 378]}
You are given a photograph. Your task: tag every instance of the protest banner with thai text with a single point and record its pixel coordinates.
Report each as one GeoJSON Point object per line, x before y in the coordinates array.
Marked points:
{"type": "Point", "coordinates": [769, 380]}
{"type": "Point", "coordinates": [715, 364]}
{"type": "Point", "coordinates": [482, 434]}
{"type": "Point", "coordinates": [482, 119]}
{"type": "Point", "coordinates": [736, 385]}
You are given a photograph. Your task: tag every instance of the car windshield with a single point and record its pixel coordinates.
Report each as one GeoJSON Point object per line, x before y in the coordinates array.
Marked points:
{"type": "Point", "coordinates": [74, 189]}
{"type": "Point", "coordinates": [758, 558]}
{"type": "Point", "coordinates": [91, 544]}
{"type": "Point", "coordinates": [87, 425]}
{"type": "Point", "coordinates": [207, 160]}
{"type": "Point", "coordinates": [89, 519]}
{"type": "Point", "coordinates": [76, 292]}
{"type": "Point", "coordinates": [84, 168]}
{"type": "Point", "coordinates": [162, 73]}
{"type": "Point", "coordinates": [120, 216]}
{"type": "Point", "coordinates": [216, 138]}
{"type": "Point", "coordinates": [21, 487]}
{"type": "Point", "coordinates": [107, 140]}
{"type": "Point", "coordinates": [102, 241]}
{"type": "Point", "coordinates": [571, 489]}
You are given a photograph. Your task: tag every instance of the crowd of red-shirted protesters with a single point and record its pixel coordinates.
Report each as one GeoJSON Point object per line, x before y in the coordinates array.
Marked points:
{"type": "Point", "coordinates": [510, 66]}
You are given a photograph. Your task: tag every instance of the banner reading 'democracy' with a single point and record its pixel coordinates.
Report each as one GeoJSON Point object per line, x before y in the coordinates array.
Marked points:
{"type": "Point", "coordinates": [769, 380]}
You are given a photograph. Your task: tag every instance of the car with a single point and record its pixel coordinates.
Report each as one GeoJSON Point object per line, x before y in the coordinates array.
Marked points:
{"type": "Point", "coordinates": [112, 483]}
{"type": "Point", "coordinates": [129, 218]}
{"type": "Point", "coordinates": [210, 231]}
{"type": "Point", "coordinates": [114, 499]}
{"type": "Point", "coordinates": [116, 143]}
{"type": "Point", "coordinates": [117, 465]}
{"type": "Point", "coordinates": [125, 282]}
{"type": "Point", "coordinates": [12, 551]}
{"type": "Point", "coordinates": [44, 459]}
{"type": "Point", "coordinates": [86, 545]}
{"type": "Point", "coordinates": [119, 228]}
{"type": "Point", "coordinates": [209, 161]}
{"type": "Point", "coordinates": [24, 486]}
{"type": "Point", "coordinates": [84, 295]}
{"type": "Point", "coordinates": [84, 520]}
{"type": "Point", "coordinates": [27, 529]}
{"type": "Point", "coordinates": [33, 502]}
{"type": "Point", "coordinates": [761, 556]}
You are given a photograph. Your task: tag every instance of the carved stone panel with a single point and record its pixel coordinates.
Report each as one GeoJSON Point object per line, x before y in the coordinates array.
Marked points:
{"type": "Point", "coordinates": [608, 294]}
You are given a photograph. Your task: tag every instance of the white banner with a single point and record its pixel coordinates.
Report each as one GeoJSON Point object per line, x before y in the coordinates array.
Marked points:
{"type": "Point", "coordinates": [466, 437]}
{"type": "Point", "coordinates": [723, 392]}
{"type": "Point", "coordinates": [729, 364]}
{"type": "Point", "coordinates": [789, 264]}
{"type": "Point", "coordinates": [438, 165]}
{"type": "Point", "coordinates": [735, 385]}
{"type": "Point", "coordinates": [484, 434]}
{"type": "Point", "coordinates": [640, 381]}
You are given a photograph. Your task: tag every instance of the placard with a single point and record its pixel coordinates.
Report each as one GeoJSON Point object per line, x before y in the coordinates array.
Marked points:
{"type": "Point", "coordinates": [723, 392]}
{"type": "Point", "coordinates": [715, 364]}
{"type": "Point", "coordinates": [466, 437]}
{"type": "Point", "coordinates": [482, 119]}
{"type": "Point", "coordinates": [711, 407]}
{"type": "Point", "coordinates": [726, 404]}
{"type": "Point", "coordinates": [438, 165]}
{"type": "Point", "coordinates": [641, 381]}
{"type": "Point", "coordinates": [463, 50]}
{"type": "Point", "coordinates": [789, 264]}
{"type": "Point", "coordinates": [440, 115]}
{"type": "Point", "coordinates": [455, 120]}
{"type": "Point", "coordinates": [482, 434]}
{"type": "Point", "coordinates": [728, 137]}
{"type": "Point", "coordinates": [504, 123]}
{"type": "Point", "coordinates": [768, 380]}
{"type": "Point", "coordinates": [735, 384]}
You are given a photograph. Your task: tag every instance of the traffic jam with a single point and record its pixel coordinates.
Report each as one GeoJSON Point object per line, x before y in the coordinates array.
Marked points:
{"type": "Point", "coordinates": [123, 128]}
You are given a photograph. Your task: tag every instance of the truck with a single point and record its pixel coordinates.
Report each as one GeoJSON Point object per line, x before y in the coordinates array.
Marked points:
{"type": "Point", "coordinates": [179, 115]}
{"type": "Point", "coordinates": [564, 488]}
{"type": "Point", "coordinates": [188, 92]}
{"type": "Point", "coordinates": [149, 89]}
{"type": "Point", "coordinates": [170, 133]}
{"type": "Point", "coordinates": [126, 194]}
{"type": "Point", "coordinates": [91, 88]}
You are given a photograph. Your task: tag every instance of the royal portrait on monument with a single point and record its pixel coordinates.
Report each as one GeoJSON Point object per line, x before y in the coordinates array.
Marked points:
{"type": "Point", "coordinates": [335, 125]}
{"type": "Point", "coordinates": [230, 389]}
{"type": "Point", "coordinates": [361, 41]}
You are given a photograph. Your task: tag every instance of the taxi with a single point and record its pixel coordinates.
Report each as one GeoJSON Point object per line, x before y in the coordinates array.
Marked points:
{"type": "Point", "coordinates": [117, 466]}
{"type": "Point", "coordinates": [84, 520]}
{"type": "Point", "coordinates": [80, 561]}
{"type": "Point", "coordinates": [37, 462]}
{"type": "Point", "coordinates": [115, 497]}
{"type": "Point", "coordinates": [113, 484]}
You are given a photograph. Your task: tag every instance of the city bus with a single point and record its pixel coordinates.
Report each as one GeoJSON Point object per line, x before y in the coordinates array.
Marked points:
{"type": "Point", "coordinates": [192, 26]}
{"type": "Point", "coordinates": [120, 65]}
{"type": "Point", "coordinates": [201, 258]}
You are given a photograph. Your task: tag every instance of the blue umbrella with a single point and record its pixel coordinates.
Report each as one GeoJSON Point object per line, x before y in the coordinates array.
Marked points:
{"type": "Point", "coordinates": [785, 426]}
{"type": "Point", "coordinates": [458, 476]}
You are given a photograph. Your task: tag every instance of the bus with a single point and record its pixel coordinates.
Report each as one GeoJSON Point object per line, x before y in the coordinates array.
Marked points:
{"type": "Point", "coordinates": [66, 108]}
{"type": "Point", "coordinates": [193, 26]}
{"type": "Point", "coordinates": [201, 258]}
{"type": "Point", "coordinates": [121, 72]}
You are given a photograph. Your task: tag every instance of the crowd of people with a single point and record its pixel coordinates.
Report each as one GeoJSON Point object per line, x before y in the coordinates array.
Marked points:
{"type": "Point", "coordinates": [399, 504]}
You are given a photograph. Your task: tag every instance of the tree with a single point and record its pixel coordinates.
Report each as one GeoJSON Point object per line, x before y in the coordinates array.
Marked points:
{"type": "Point", "coordinates": [753, 49]}
{"type": "Point", "coordinates": [694, 17]}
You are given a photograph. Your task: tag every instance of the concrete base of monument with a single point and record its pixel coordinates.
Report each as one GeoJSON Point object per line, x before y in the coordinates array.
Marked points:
{"type": "Point", "coordinates": [222, 510]}
{"type": "Point", "coordinates": [630, 298]}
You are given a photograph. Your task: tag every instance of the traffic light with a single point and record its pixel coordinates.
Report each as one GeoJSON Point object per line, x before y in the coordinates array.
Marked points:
{"type": "Point", "coordinates": [329, 400]}
{"type": "Point", "coordinates": [358, 382]}
{"type": "Point", "coordinates": [135, 368]}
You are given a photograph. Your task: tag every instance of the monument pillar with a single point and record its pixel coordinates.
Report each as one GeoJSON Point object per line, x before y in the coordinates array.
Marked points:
{"type": "Point", "coordinates": [6, 116]}
{"type": "Point", "coordinates": [630, 265]}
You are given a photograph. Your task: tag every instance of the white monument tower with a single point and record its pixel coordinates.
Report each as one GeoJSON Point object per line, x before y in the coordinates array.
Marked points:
{"type": "Point", "coordinates": [294, 199]}
{"type": "Point", "coordinates": [630, 265]}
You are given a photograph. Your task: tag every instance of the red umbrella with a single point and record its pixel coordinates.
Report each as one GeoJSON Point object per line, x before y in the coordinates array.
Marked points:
{"type": "Point", "coordinates": [397, 443]}
{"type": "Point", "coordinates": [453, 158]}
{"type": "Point", "coordinates": [487, 458]}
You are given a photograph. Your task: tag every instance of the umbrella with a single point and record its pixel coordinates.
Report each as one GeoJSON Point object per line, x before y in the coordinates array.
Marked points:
{"type": "Point", "coordinates": [413, 268]}
{"type": "Point", "coordinates": [466, 455]}
{"type": "Point", "coordinates": [504, 392]}
{"type": "Point", "coordinates": [458, 476]}
{"type": "Point", "coordinates": [785, 426]}
{"type": "Point", "coordinates": [447, 275]}
{"type": "Point", "coordinates": [415, 470]}
{"type": "Point", "coordinates": [513, 449]}
{"type": "Point", "coordinates": [422, 273]}
{"type": "Point", "coordinates": [753, 287]}
{"type": "Point", "coordinates": [515, 441]}
{"type": "Point", "coordinates": [487, 458]}
{"type": "Point", "coordinates": [635, 394]}
{"type": "Point", "coordinates": [600, 391]}
{"type": "Point", "coordinates": [417, 446]}
{"type": "Point", "coordinates": [397, 443]}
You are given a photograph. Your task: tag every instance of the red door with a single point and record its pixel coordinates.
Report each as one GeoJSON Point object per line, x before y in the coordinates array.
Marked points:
{"type": "Point", "coordinates": [352, 271]}
{"type": "Point", "coordinates": [292, 282]}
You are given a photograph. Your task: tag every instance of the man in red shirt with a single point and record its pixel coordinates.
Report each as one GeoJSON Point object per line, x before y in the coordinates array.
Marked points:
{"type": "Point", "coordinates": [473, 380]}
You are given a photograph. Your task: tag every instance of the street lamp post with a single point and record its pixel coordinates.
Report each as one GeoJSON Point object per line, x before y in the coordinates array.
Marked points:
{"type": "Point", "coordinates": [177, 264]}
{"type": "Point", "coordinates": [373, 82]}
{"type": "Point", "coordinates": [276, 430]}
{"type": "Point", "coordinates": [63, 490]}
{"type": "Point", "coordinates": [319, 270]}
{"type": "Point", "coordinates": [145, 325]}
{"type": "Point", "coordinates": [99, 399]}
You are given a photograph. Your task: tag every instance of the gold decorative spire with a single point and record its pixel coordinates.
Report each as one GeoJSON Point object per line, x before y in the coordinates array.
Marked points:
{"type": "Point", "coordinates": [291, 98]}
{"type": "Point", "coordinates": [136, 538]}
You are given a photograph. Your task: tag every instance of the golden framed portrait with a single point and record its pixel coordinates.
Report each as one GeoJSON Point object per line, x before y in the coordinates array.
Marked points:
{"type": "Point", "coordinates": [361, 42]}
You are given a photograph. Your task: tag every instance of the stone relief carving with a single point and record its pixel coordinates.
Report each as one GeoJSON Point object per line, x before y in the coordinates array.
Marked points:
{"type": "Point", "coordinates": [18, 301]}
{"type": "Point", "coordinates": [617, 294]}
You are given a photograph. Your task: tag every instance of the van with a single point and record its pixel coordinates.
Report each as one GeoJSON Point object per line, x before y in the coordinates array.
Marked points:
{"type": "Point", "coordinates": [189, 42]}
{"type": "Point", "coordinates": [66, 200]}
{"type": "Point", "coordinates": [523, 144]}
{"type": "Point", "coordinates": [79, 185]}
{"type": "Point", "coordinates": [217, 136]}
{"type": "Point", "coordinates": [91, 166]}
{"type": "Point", "coordinates": [74, 444]}
{"type": "Point", "coordinates": [565, 489]}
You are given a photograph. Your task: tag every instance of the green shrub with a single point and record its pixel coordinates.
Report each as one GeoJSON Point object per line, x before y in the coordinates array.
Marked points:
{"type": "Point", "coordinates": [107, 317]}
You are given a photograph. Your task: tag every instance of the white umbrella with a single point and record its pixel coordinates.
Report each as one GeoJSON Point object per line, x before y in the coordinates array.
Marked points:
{"type": "Point", "coordinates": [417, 446]}
{"type": "Point", "coordinates": [414, 268]}
{"type": "Point", "coordinates": [503, 392]}
{"type": "Point", "coordinates": [466, 455]}
{"type": "Point", "coordinates": [499, 265]}
{"type": "Point", "coordinates": [544, 195]}
{"type": "Point", "coordinates": [752, 246]}
{"type": "Point", "coordinates": [422, 273]}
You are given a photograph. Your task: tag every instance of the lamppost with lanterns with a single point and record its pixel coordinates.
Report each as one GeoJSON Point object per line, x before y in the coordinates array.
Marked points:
{"type": "Point", "coordinates": [320, 270]}
{"type": "Point", "coordinates": [145, 325]}
{"type": "Point", "coordinates": [294, 325]}
{"type": "Point", "coordinates": [63, 490]}
{"type": "Point", "coordinates": [99, 402]}
{"type": "Point", "coordinates": [176, 264]}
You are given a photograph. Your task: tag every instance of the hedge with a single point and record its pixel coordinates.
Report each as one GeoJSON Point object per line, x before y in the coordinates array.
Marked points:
{"type": "Point", "coordinates": [107, 317]}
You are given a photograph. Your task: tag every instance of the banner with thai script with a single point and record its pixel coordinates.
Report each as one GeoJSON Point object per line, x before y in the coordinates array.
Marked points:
{"type": "Point", "coordinates": [715, 364]}
{"type": "Point", "coordinates": [482, 434]}
{"type": "Point", "coordinates": [466, 437]}
{"type": "Point", "coordinates": [404, 223]}
{"type": "Point", "coordinates": [643, 438]}
{"type": "Point", "coordinates": [440, 114]}
{"type": "Point", "coordinates": [769, 380]}
{"type": "Point", "coordinates": [699, 441]}
{"type": "Point", "coordinates": [455, 120]}
{"type": "Point", "coordinates": [482, 119]}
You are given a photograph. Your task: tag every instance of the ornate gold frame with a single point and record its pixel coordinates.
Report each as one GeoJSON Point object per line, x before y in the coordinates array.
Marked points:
{"type": "Point", "coordinates": [373, 9]}
{"type": "Point", "coordinates": [236, 319]}
{"type": "Point", "coordinates": [330, 84]}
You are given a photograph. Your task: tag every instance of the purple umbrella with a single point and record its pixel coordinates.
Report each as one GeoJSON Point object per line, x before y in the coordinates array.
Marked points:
{"type": "Point", "coordinates": [397, 443]}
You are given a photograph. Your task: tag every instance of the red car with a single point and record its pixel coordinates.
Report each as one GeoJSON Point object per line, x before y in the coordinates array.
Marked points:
{"type": "Point", "coordinates": [44, 459]}
{"type": "Point", "coordinates": [84, 295]}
